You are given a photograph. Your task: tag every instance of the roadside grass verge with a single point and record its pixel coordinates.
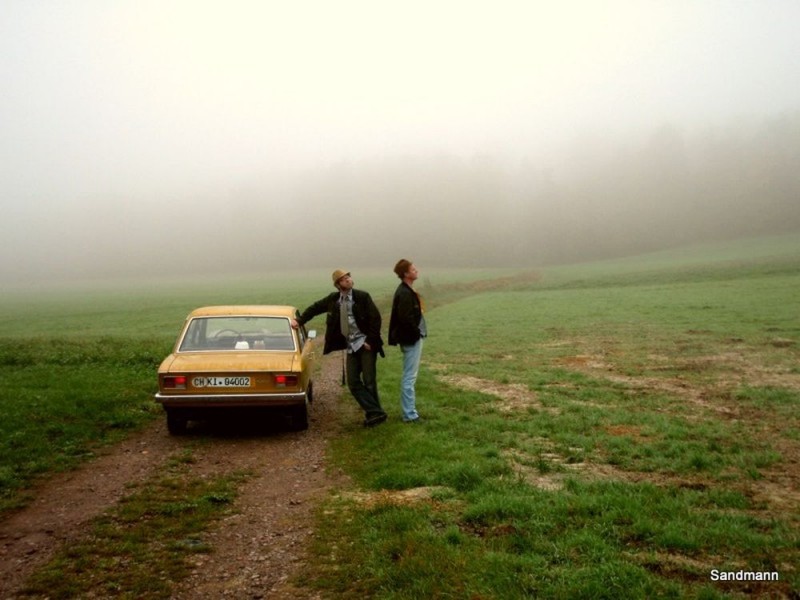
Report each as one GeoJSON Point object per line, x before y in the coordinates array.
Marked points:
{"type": "Point", "coordinates": [144, 544]}
{"type": "Point", "coordinates": [64, 398]}
{"type": "Point", "coordinates": [602, 440]}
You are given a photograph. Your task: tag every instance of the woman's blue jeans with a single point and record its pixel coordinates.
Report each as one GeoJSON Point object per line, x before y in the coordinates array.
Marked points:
{"type": "Point", "coordinates": [408, 396]}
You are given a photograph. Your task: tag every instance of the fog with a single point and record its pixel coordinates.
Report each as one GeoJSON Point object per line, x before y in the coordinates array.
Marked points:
{"type": "Point", "coordinates": [155, 138]}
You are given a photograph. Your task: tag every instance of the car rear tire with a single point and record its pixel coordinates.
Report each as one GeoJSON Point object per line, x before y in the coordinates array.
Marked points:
{"type": "Point", "coordinates": [176, 422]}
{"type": "Point", "coordinates": [300, 418]}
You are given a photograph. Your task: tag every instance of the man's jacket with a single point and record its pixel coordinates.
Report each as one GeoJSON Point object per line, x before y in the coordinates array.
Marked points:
{"type": "Point", "coordinates": [366, 314]}
{"type": "Point", "coordinates": [405, 318]}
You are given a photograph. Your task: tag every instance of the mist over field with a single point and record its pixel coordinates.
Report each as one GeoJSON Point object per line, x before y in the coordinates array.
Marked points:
{"type": "Point", "coordinates": [149, 138]}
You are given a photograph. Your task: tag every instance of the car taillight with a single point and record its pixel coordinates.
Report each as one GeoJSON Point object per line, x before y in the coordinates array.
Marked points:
{"type": "Point", "coordinates": [285, 380]}
{"type": "Point", "coordinates": [175, 382]}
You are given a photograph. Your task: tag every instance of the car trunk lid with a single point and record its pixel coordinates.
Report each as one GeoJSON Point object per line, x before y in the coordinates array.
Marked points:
{"type": "Point", "coordinates": [231, 362]}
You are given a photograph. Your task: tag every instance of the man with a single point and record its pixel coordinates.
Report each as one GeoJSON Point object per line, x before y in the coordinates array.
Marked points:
{"type": "Point", "coordinates": [407, 329]}
{"type": "Point", "coordinates": [353, 324]}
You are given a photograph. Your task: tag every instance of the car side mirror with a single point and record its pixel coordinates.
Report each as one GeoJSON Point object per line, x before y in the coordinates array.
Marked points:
{"type": "Point", "coordinates": [312, 334]}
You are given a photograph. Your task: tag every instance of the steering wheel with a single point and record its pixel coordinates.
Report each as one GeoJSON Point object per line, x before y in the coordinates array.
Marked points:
{"type": "Point", "coordinates": [221, 331]}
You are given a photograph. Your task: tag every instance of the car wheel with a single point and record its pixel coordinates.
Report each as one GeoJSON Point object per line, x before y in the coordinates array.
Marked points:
{"type": "Point", "coordinates": [176, 422]}
{"type": "Point", "coordinates": [300, 418]}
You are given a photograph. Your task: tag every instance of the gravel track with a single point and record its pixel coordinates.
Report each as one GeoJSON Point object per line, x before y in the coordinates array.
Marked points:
{"type": "Point", "coordinates": [255, 550]}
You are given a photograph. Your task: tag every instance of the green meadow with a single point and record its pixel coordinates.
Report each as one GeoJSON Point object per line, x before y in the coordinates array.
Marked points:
{"type": "Point", "coordinates": [624, 428]}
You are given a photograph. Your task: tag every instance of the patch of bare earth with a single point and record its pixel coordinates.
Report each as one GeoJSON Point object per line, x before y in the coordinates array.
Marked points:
{"type": "Point", "coordinates": [778, 492]}
{"type": "Point", "coordinates": [255, 551]}
{"type": "Point", "coordinates": [512, 396]}
{"type": "Point", "coordinates": [779, 487]}
{"type": "Point", "coordinates": [408, 497]}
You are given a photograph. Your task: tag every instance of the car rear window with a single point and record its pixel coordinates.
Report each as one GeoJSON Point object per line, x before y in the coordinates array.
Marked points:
{"type": "Point", "coordinates": [237, 333]}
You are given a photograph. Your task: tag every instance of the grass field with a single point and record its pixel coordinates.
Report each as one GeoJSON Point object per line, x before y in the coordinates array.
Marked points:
{"type": "Point", "coordinates": [616, 429]}
{"type": "Point", "coordinates": [613, 430]}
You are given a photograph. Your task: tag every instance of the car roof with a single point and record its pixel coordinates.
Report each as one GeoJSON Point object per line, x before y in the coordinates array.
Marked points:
{"type": "Point", "coordinates": [253, 310]}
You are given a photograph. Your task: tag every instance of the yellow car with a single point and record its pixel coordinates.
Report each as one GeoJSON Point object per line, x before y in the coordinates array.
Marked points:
{"type": "Point", "coordinates": [237, 357]}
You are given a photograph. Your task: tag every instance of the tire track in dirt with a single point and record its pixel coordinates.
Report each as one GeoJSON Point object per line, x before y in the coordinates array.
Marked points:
{"type": "Point", "coordinates": [66, 503]}
{"type": "Point", "coordinates": [258, 548]}
{"type": "Point", "coordinates": [255, 550]}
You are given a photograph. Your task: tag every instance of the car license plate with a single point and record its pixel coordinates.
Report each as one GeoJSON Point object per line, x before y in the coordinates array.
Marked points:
{"type": "Point", "coordinates": [199, 382]}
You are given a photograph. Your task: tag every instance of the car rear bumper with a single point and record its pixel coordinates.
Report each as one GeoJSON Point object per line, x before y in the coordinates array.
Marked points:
{"type": "Point", "coordinates": [230, 400]}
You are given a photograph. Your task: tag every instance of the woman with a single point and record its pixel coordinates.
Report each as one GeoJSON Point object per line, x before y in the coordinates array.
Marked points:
{"type": "Point", "coordinates": [407, 329]}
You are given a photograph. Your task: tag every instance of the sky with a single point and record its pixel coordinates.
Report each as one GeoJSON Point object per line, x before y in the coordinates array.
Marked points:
{"type": "Point", "coordinates": [108, 104]}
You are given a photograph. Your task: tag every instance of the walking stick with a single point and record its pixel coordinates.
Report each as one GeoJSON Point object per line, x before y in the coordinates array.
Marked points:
{"type": "Point", "coordinates": [344, 379]}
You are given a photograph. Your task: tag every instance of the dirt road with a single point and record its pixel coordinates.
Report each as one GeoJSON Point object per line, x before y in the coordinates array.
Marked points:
{"type": "Point", "coordinates": [255, 550]}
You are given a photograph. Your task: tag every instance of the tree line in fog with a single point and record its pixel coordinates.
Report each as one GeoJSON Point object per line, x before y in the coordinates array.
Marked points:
{"type": "Point", "coordinates": [606, 199]}
{"type": "Point", "coordinates": [602, 198]}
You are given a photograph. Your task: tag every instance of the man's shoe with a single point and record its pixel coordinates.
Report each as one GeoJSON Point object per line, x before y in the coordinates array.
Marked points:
{"type": "Point", "coordinates": [373, 421]}
{"type": "Point", "coordinates": [418, 420]}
